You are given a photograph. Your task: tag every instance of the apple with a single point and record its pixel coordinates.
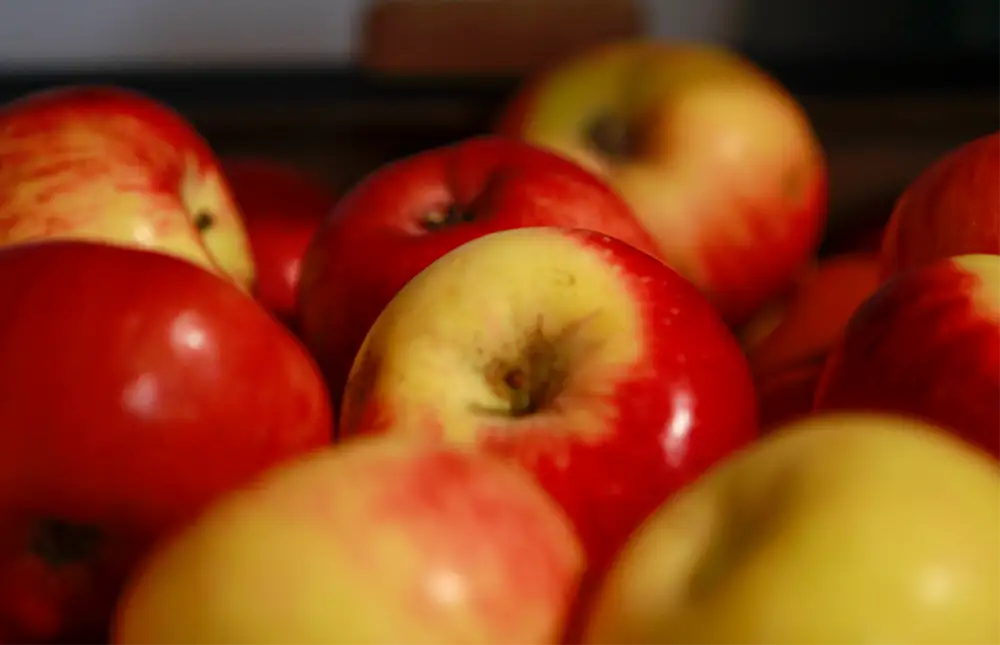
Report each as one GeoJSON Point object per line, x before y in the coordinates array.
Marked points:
{"type": "Point", "coordinates": [787, 393]}
{"type": "Point", "coordinates": [573, 354]}
{"type": "Point", "coordinates": [952, 208]}
{"type": "Point", "coordinates": [927, 344]}
{"type": "Point", "coordinates": [838, 528]}
{"type": "Point", "coordinates": [109, 164]}
{"type": "Point", "coordinates": [135, 388]}
{"type": "Point", "coordinates": [719, 162]}
{"type": "Point", "coordinates": [814, 313]}
{"type": "Point", "coordinates": [410, 212]}
{"type": "Point", "coordinates": [282, 208]}
{"type": "Point", "coordinates": [375, 541]}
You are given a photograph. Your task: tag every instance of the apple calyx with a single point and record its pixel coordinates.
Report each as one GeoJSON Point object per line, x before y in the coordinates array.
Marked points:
{"type": "Point", "coordinates": [61, 543]}
{"type": "Point", "coordinates": [451, 215]}
{"type": "Point", "coordinates": [613, 137]}
{"type": "Point", "coordinates": [203, 220]}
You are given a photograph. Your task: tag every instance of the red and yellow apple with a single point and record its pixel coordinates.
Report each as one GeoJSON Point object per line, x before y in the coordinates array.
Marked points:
{"type": "Point", "coordinates": [952, 208]}
{"type": "Point", "coordinates": [135, 388]}
{"type": "Point", "coordinates": [837, 528]}
{"type": "Point", "coordinates": [375, 541]}
{"type": "Point", "coordinates": [282, 209]}
{"type": "Point", "coordinates": [108, 164]}
{"type": "Point", "coordinates": [927, 343]}
{"type": "Point", "coordinates": [717, 159]}
{"type": "Point", "coordinates": [409, 213]}
{"type": "Point", "coordinates": [586, 361]}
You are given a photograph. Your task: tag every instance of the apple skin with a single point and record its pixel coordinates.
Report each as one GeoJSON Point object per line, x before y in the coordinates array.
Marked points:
{"type": "Point", "coordinates": [950, 209]}
{"type": "Point", "coordinates": [815, 312]}
{"type": "Point", "coordinates": [375, 541]}
{"type": "Point", "coordinates": [838, 528]}
{"type": "Point", "coordinates": [788, 393]}
{"type": "Point", "coordinates": [927, 343]}
{"type": "Point", "coordinates": [135, 388]}
{"type": "Point", "coordinates": [716, 158]}
{"type": "Point", "coordinates": [586, 361]}
{"type": "Point", "coordinates": [282, 208]}
{"type": "Point", "coordinates": [108, 164]}
{"type": "Point", "coordinates": [382, 233]}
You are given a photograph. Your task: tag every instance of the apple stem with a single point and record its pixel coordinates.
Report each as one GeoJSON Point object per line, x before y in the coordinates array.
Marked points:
{"type": "Point", "coordinates": [452, 215]}
{"type": "Point", "coordinates": [61, 543]}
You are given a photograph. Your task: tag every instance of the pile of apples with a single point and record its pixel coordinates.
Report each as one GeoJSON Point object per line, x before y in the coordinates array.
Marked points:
{"type": "Point", "coordinates": [581, 379]}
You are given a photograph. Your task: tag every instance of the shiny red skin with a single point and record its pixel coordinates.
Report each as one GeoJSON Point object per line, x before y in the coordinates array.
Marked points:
{"type": "Point", "coordinates": [373, 243]}
{"type": "Point", "coordinates": [282, 209]}
{"type": "Point", "coordinates": [920, 347]}
{"type": "Point", "coordinates": [135, 388]}
{"type": "Point", "coordinates": [692, 377]}
{"type": "Point", "coordinates": [952, 208]}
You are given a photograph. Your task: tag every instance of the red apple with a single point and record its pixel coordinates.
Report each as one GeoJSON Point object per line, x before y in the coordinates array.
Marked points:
{"type": "Point", "coordinates": [588, 362]}
{"type": "Point", "coordinates": [282, 208]}
{"type": "Point", "coordinates": [411, 212]}
{"type": "Point", "coordinates": [375, 541]}
{"type": "Point", "coordinates": [927, 344]}
{"type": "Point", "coordinates": [814, 314]}
{"type": "Point", "coordinates": [107, 164]}
{"type": "Point", "coordinates": [135, 388]}
{"type": "Point", "coordinates": [787, 393]}
{"type": "Point", "coordinates": [719, 162]}
{"type": "Point", "coordinates": [952, 208]}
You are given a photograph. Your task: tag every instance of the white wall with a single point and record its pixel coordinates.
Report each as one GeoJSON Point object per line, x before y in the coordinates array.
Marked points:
{"type": "Point", "coordinates": [38, 33]}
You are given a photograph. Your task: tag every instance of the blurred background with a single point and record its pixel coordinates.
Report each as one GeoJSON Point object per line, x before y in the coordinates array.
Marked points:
{"type": "Point", "coordinates": [341, 86]}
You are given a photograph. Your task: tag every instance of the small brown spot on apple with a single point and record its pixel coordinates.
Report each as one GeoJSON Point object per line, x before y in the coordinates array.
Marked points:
{"type": "Point", "coordinates": [793, 183]}
{"type": "Point", "coordinates": [203, 221]}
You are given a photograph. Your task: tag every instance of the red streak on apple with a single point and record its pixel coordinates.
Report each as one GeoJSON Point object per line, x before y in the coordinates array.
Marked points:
{"type": "Point", "coordinates": [952, 208]}
{"type": "Point", "coordinates": [926, 345]}
{"type": "Point", "coordinates": [136, 387]}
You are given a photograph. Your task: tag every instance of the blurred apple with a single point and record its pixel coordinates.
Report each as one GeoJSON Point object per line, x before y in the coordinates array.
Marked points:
{"type": "Point", "coordinates": [585, 360]}
{"type": "Point", "coordinates": [282, 208]}
{"type": "Point", "coordinates": [108, 164]}
{"type": "Point", "coordinates": [375, 541]}
{"type": "Point", "coordinates": [952, 208]}
{"type": "Point", "coordinates": [410, 212]}
{"type": "Point", "coordinates": [835, 529]}
{"type": "Point", "coordinates": [814, 314]}
{"type": "Point", "coordinates": [927, 343]}
{"type": "Point", "coordinates": [717, 159]}
{"type": "Point", "coordinates": [787, 393]}
{"type": "Point", "coordinates": [135, 388]}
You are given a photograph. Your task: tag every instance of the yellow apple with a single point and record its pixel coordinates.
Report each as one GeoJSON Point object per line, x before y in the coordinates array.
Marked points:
{"type": "Point", "coordinates": [717, 159]}
{"type": "Point", "coordinates": [835, 529]}
{"type": "Point", "coordinates": [110, 165]}
{"type": "Point", "coordinates": [374, 541]}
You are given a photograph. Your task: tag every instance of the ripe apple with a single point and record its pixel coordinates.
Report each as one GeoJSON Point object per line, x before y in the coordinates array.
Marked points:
{"type": "Point", "coordinates": [571, 353]}
{"type": "Point", "coordinates": [282, 208]}
{"type": "Point", "coordinates": [814, 313]}
{"type": "Point", "coordinates": [927, 343]}
{"type": "Point", "coordinates": [838, 528]}
{"type": "Point", "coordinates": [410, 212]}
{"type": "Point", "coordinates": [135, 388]}
{"type": "Point", "coordinates": [375, 541]}
{"type": "Point", "coordinates": [719, 162]}
{"type": "Point", "coordinates": [108, 164]}
{"type": "Point", "coordinates": [952, 208]}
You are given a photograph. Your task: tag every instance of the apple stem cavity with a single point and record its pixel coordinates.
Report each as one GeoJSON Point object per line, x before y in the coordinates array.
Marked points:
{"type": "Point", "coordinates": [613, 137]}
{"type": "Point", "coordinates": [62, 543]}
{"type": "Point", "coordinates": [452, 215]}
